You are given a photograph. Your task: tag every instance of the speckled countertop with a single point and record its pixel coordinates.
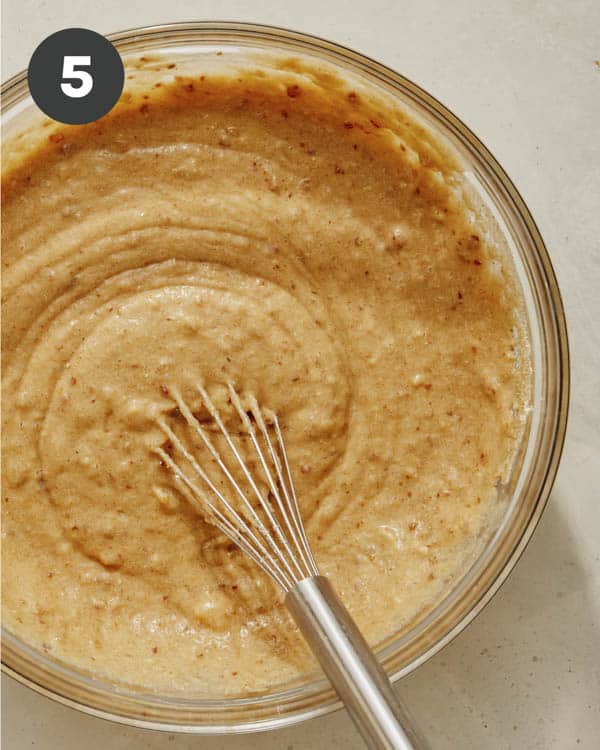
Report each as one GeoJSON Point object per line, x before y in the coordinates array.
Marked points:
{"type": "Point", "coordinates": [525, 76]}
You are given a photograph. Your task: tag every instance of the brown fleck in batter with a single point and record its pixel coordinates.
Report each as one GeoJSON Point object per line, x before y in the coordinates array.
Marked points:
{"type": "Point", "coordinates": [321, 252]}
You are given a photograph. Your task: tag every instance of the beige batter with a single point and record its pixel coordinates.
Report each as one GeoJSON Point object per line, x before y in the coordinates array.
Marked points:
{"type": "Point", "coordinates": [282, 233]}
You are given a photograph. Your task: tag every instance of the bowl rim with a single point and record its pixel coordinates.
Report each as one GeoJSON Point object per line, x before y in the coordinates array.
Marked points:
{"type": "Point", "coordinates": [16, 89]}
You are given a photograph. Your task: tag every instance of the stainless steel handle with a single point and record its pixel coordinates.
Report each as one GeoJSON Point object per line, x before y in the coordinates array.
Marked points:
{"type": "Point", "coordinates": [351, 665]}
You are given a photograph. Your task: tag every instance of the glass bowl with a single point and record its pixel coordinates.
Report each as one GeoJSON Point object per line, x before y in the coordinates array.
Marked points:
{"type": "Point", "coordinates": [535, 466]}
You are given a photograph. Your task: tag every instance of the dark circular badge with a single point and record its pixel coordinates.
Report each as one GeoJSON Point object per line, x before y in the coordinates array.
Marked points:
{"type": "Point", "coordinates": [75, 76]}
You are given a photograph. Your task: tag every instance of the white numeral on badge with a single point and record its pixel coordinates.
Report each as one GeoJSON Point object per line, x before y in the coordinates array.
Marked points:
{"type": "Point", "coordinates": [70, 71]}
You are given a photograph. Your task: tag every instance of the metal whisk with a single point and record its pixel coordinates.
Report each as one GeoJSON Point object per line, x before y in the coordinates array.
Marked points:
{"type": "Point", "coordinates": [260, 513]}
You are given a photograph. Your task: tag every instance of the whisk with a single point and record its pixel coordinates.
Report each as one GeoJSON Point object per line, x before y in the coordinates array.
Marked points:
{"type": "Point", "coordinates": [260, 513]}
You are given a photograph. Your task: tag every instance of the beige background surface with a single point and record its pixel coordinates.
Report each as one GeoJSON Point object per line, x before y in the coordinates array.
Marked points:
{"type": "Point", "coordinates": [525, 76]}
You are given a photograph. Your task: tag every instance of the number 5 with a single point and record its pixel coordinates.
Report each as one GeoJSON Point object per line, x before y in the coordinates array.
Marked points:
{"type": "Point", "coordinates": [69, 71]}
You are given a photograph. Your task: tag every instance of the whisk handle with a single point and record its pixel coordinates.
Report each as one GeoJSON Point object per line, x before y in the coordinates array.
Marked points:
{"type": "Point", "coordinates": [351, 665]}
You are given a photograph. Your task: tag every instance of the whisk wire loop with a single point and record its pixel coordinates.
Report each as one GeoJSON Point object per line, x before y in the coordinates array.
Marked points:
{"type": "Point", "coordinates": [292, 502]}
{"type": "Point", "coordinates": [278, 543]}
{"type": "Point", "coordinates": [264, 502]}
{"type": "Point", "coordinates": [285, 509]}
{"type": "Point", "coordinates": [258, 552]}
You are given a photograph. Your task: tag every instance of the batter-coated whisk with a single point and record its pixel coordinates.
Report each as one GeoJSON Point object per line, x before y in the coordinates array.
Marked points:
{"type": "Point", "coordinates": [259, 512]}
